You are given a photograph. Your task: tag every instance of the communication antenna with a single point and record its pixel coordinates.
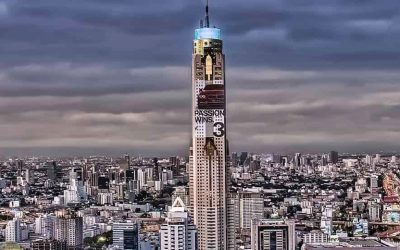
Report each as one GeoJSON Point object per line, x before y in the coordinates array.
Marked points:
{"type": "Point", "coordinates": [207, 17]}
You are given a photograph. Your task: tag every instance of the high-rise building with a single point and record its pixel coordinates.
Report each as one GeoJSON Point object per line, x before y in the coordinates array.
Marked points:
{"type": "Point", "coordinates": [243, 158]}
{"type": "Point", "coordinates": [41, 244]}
{"type": "Point", "coordinates": [28, 175]}
{"type": "Point", "coordinates": [374, 211]}
{"type": "Point", "coordinates": [44, 226]}
{"type": "Point", "coordinates": [242, 208]}
{"type": "Point", "coordinates": [181, 192]}
{"type": "Point", "coordinates": [178, 233]}
{"type": "Point", "coordinates": [13, 230]}
{"type": "Point", "coordinates": [273, 234]}
{"type": "Point", "coordinates": [209, 150]}
{"type": "Point", "coordinates": [20, 167]}
{"type": "Point", "coordinates": [232, 220]}
{"type": "Point", "coordinates": [75, 192]}
{"type": "Point", "coordinates": [326, 219]}
{"type": "Point", "coordinates": [105, 198]}
{"type": "Point", "coordinates": [251, 206]}
{"type": "Point", "coordinates": [296, 160]}
{"type": "Point", "coordinates": [368, 160]}
{"type": "Point", "coordinates": [103, 183]}
{"type": "Point", "coordinates": [333, 157]}
{"type": "Point", "coordinates": [69, 228]}
{"type": "Point", "coordinates": [126, 235]}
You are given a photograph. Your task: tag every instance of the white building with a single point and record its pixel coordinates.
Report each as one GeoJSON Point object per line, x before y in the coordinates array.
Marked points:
{"type": "Point", "coordinates": [326, 220]}
{"type": "Point", "coordinates": [105, 198]}
{"type": "Point", "coordinates": [44, 226]}
{"type": "Point", "coordinates": [178, 233]}
{"type": "Point", "coordinates": [75, 192]}
{"type": "Point", "coordinates": [315, 236]}
{"type": "Point", "coordinates": [13, 231]}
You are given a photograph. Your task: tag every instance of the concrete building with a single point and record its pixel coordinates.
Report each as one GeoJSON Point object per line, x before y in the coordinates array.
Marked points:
{"type": "Point", "coordinates": [69, 228]}
{"type": "Point", "coordinates": [374, 211]}
{"type": "Point", "coordinates": [44, 226]}
{"type": "Point", "coordinates": [178, 233]}
{"type": "Point", "coordinates": [315, 236]}
{"type": "Point", "coordinates": [273, 235]}
{"type": "Point", "coordinates": [126, 235]}
{"type": "Point", "coordinates": [208, 153]}
{"type": "Point", "coordinates": [42, 244]}
{"type": "Point", "coordinates": [13, 231]}
{"type": "Point", "coordinates": [181, 192]}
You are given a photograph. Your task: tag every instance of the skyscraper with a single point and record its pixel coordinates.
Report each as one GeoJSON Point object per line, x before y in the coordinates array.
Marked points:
{"type": "Point", "coordinates": [208, 153]}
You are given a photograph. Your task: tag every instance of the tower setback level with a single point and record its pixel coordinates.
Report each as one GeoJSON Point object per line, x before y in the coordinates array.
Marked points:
{"type": "Point", "coordinates": [208, 152]}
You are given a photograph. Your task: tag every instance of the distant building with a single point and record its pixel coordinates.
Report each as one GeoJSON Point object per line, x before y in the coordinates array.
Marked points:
{"type": "Point", "coordinates": [368, 160]}
{"type": "Point", "coordinates": [374, 211]}
{"type": "Point", "coordinates": [273, 234]}
{"type": "Point", "coordinates": [13, 231]}
{"type": "Point", "coordinates": [103, 183]}
{"type": "Point", "coordinates": [315, 236]}
{"type": "Point", "coordinates": [178, 233]}
{"type": "Point", "coordinates": [251, 206]}
{"type": "Point", "coordinates": [126, 235]}
{"type": "Point", "coordinates": [296, 160]}
{"type": "Point", "coordinates": [351, 244]}
{"type": "Point", "coordinates": [326, 220]}
{"type": "Point", "coordinates": [105, 198]}
{"type": "Point", "coordinates": [42, 244]}
{"type": "Point", "coordinates": [44, 226]}
{"type": "Point", "coordinates": [183, 193]}
{"type": "Point", "coordinates": [333, 157]}
{"type": "Point", "coordinates": [69, 228]}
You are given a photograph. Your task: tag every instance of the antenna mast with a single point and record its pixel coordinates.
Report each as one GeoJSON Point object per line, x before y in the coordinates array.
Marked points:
{"type": "Point", "coordinates": [207, 17]}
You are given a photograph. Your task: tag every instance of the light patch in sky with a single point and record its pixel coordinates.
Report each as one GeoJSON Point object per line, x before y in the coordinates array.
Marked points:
{"type": "Point", "coordinates": [3, 9]}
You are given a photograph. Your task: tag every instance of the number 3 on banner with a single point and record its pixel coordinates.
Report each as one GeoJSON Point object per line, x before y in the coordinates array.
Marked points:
{"type": "Point", "coordinates": [219, 129]}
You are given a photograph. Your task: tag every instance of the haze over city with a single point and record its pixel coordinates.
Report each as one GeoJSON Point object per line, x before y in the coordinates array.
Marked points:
{"type": "Point", "coordinates": [199, 125]}
{"type": "Point", "coordinates": [85, 77]}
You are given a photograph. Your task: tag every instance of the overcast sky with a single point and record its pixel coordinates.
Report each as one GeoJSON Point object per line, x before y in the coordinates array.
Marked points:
{"type": "Point", "coordinates": [101, 76]}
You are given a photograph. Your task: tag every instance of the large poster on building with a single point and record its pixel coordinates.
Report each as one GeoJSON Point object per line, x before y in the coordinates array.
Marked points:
{"type": "Point", "coordinates": [212, 96]}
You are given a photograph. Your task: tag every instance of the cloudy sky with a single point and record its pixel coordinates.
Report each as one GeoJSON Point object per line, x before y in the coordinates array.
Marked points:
{"type": "Point", "coordinates": [101, 76]}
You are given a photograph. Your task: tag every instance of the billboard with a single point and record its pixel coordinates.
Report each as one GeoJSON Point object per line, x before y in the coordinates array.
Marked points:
{"type": "Point", "coordinates": [211, 97]}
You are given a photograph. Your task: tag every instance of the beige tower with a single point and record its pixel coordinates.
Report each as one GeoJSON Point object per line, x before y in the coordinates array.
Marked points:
{"type": "Point", "coordinates": [208, 154]}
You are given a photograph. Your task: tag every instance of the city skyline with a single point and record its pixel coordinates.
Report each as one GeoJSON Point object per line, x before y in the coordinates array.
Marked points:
{"type": "Point", "coordinates": [115, 78]}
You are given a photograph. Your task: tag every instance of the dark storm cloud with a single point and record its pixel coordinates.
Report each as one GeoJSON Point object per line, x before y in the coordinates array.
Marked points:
{"type": "Point", "coordinates": [114, 76]}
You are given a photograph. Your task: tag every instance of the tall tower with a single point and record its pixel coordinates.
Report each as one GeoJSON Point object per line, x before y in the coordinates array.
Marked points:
{"type": "Point", "coordinates": [208, 153]}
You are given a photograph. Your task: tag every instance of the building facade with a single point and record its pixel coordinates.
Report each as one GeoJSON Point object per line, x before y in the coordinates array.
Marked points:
{"type": "Point", "coordinates": [178, 233]}
{"type": "Point", "coordinates": [208, 152]}
{"type": "Point", "coordinates": [126, 235]}
{"type": "Point", "coordinates": [273, 235]}
{"type": "Point", "coordinates": [13, 231]}
{"type": "Point", "coordinates": [69, 228]}
{"type": "Point", "coordinates": [42, 244]}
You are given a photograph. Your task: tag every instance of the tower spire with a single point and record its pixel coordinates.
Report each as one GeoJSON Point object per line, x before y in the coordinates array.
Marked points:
{"type": "Point", "coordinates": [207, 17]}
